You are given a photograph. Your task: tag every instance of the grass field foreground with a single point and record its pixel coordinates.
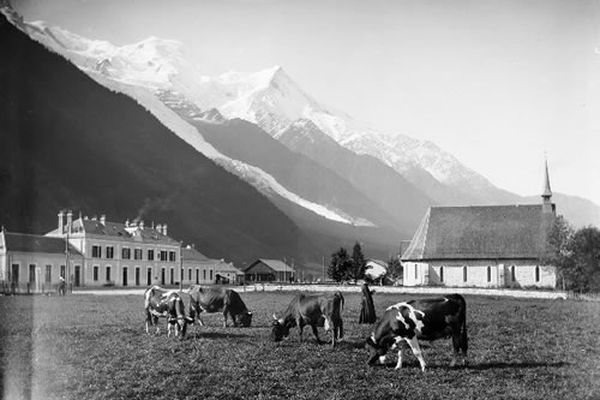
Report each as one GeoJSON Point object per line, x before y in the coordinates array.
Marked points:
{"type": "Point", "coordinates": [95, 347]}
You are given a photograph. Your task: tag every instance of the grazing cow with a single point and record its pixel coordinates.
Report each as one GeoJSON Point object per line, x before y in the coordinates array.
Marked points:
{"type": "Point", "coordinates": [313, 310]}
{"type": "Point", "coordinates": [159, 302]}
{"type": "Point", "coordinates": [427, 319]}
{"type": "Point", "coordinates": [216, 299]}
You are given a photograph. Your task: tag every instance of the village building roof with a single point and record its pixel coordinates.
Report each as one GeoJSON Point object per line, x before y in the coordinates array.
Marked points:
{"type": "Point", "coordinates": [480, 232]}
{"type": "Point", "coordinates": [29, 243]}
{"type": "Point", "coordinates": [225, 267]}
{"type": "Point", "coordinates": [191, 254]}
{"type": "Point", "coordinates": [375, 269]}
{"type": "Point", "coordinates": [380, 263]}
{"type": "Point", "coordinates": [117, 231]}
{"type": "Point", "coordinates": [263, 265]}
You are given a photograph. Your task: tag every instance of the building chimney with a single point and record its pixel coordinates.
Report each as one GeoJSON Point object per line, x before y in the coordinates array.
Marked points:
{"type": "Point", "coordinates": [103, 219]}
{"type": "Point", "coordinates": [61, 221]}
{"type": "Point", "coordinates": [127, 223]}
{"type": "Point", "coordinates": [141, 224]}
{"type": "Point", "coordinates": [69, 221]}
{"type": "Point", "coordinates": [164, 231]}
{"type": "Point", "coordinates": [159, 228]}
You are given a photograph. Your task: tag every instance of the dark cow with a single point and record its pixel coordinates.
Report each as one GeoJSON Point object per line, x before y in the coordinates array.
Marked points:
{"type": "Point", "coordinates": [217, 299]}
{"type": "Point", "coordinates": [159, 302]}
{"type": "Point", "coordinates": [313, 310]}
{"type": "Point", "coordinates": [427, 319]}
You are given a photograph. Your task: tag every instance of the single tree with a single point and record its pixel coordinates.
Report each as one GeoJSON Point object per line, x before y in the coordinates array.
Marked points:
{"type": "Point", "coordinates": [559, 252]}
{"type": "Point", "coordinates": [357, 265]}
{"type": "Point", "coordinates": [395, 269]}
{"type": "Point", "coordinates": [583, 274]}
{"type": "Point", "coordinates": [339, 264]}
{"type": "Point", "coordinates": [576, 256]}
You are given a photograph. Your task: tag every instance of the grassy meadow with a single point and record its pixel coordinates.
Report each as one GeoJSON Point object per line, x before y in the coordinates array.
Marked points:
{"type": "Point", "coordinates": [95, 347]}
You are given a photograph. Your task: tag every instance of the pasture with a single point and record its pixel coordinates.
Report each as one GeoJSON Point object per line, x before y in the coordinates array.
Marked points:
{"type": "Point", "coordinates": [95, 347]}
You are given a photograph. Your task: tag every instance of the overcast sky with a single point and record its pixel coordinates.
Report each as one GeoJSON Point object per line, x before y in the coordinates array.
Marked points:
{"type": "Point", "coordinates": [496, 83]}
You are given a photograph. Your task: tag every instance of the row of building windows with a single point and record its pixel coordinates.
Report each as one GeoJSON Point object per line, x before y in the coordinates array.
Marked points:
{"type": "Point", "coordinates": [32, 278]}
{"type": "Point", "coordinates": [149, 280]}
{"type": "Point", "coordinates": [109, 253]}
{"type": "Point", "coordinates": [489, 273]}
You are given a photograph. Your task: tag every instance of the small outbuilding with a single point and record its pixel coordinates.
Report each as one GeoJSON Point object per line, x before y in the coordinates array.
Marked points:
{"type": "Point", "coordinates": [226, 273]}
{"type": "Point", "coordinates": [376, 270]}
{"type": "Point", "coordinates": [265, 270]}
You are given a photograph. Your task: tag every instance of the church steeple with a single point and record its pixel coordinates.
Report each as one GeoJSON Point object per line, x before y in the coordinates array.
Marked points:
{"type": "Point", "coordinates": [547, 205]}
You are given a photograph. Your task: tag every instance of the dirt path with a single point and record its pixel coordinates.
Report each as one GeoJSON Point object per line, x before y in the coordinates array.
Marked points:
{"type": "Point", "coordinates": [532, 294]}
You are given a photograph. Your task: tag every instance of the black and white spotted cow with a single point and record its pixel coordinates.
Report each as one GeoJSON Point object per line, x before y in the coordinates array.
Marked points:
{"type": "Point", "coordinates": [158, 303]}
{"type": "Point", "coordinates": [427, 319]}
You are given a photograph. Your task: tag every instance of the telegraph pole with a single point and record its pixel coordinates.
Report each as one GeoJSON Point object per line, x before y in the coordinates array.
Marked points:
{"type": "Point", "coordinates": [67, 266]}
{"type": "Point", "coordinates": [180, 266]}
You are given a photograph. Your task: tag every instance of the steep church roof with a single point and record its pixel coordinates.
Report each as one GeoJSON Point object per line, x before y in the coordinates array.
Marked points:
{"type": "Point", "coordinates": [480, 232]}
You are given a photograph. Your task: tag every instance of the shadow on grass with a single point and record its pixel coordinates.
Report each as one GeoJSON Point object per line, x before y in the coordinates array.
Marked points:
{"type": "Point", "coordinates": [350, 344]}
{"type": "Point", "coordinates": [481, 366]}
{"type": "Point", "coordinates": [216, 335]}
{"type": "Point", "coordinates": [515, 365]}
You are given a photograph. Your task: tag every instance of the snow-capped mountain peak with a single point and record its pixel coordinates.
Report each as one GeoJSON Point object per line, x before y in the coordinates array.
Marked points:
{"type": "Point", "coordinates": [269, 98]}
{"type": "Point", "coordinates": [157, 74]}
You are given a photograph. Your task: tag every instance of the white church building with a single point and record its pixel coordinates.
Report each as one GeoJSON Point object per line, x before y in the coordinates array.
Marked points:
{"type": "Point", "coordinates": [482, 246]}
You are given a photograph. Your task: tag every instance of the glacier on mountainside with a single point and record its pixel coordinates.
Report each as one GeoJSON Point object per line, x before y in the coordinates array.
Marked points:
{"type": "Point", "coordinates": [146, 71]}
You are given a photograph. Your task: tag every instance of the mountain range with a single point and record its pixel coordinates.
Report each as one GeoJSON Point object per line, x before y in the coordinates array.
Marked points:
{"type": "Point", "coordinates": [69, 142]}
{"type": "Point", "coordinates": [336, 179]}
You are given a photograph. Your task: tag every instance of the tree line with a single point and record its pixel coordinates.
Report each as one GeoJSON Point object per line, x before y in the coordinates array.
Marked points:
{"type": "Point", "coordinates": [344, 267]}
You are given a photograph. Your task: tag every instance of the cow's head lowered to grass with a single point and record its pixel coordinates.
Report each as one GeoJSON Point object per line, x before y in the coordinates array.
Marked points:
{"type": "Point", "coordinates": [243, 319]}
{"type": "Point", "coordinates": [280, 330]}
{"type": "Point", "coordinates": [180, 324]}
{"type": "Point", "coordinates": [378, 350]}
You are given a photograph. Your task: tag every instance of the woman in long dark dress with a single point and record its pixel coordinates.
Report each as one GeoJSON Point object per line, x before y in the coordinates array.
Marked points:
{"type": "Point", "coordinates": [367, 310]}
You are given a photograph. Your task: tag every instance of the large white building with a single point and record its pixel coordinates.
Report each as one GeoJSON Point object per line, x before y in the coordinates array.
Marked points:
{"type": "Point", "coordinates": [482, 246]}
{"type": "Point", "coordinates": [120, 254]}
{"type": "Point", "coordinates": [131, 254]}
{"type": "Point", "coordinates": [104, 253]}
